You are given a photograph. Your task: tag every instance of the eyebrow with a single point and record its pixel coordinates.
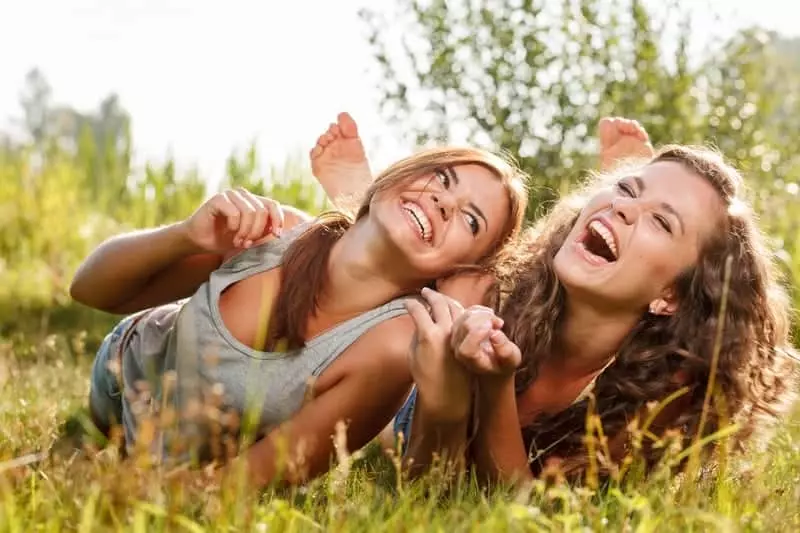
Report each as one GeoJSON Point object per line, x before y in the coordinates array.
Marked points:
{"type": "Point", "coordinates": [451, 173]}
{"type": "Point", "coordinates": [664, 205]}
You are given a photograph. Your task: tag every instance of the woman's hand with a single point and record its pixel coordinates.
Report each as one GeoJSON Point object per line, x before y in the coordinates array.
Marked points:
{"type": "Point", "coordinates": [478, 343]}
{"type": "Point", "coordinates": [234, 219]}
{"type": "Point", "coordinates": [443, 385]}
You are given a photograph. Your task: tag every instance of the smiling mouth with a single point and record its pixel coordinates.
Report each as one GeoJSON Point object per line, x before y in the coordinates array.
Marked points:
{"type": "Point", "coordinates": [599, 242]}
{"type": "Point", "coordinates": [423, 223]}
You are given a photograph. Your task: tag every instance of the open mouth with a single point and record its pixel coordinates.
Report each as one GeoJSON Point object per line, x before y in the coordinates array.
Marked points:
{"type": "Point", "coordinates": [600, 242]}
{"type": "Point", "coordinates": [423, 223]}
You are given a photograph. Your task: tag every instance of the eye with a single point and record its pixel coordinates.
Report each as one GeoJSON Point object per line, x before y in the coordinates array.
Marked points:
{"type": "Point", "coordinates": [472, 220]}
{"type": "Point", "coordinates": [626, 189]}
{"type": "Point", "coordinates": [443, 178]}
{"type": "Point", "coordinates": [664, 223]}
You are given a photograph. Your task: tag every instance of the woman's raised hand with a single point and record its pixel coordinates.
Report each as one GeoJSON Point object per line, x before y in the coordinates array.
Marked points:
{"type": "Point", "coordinates": [479, 344]}
{"type": "Point", "coordinates": [443, 385]}
{"type": "Point", "coordinates": [234, 219]}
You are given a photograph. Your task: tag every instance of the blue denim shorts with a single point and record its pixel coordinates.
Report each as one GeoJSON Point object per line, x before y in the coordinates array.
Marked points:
{"type": "Point", "coordinates": [105, 390]}
{"type": "Point", "coordinates": [404, 417]}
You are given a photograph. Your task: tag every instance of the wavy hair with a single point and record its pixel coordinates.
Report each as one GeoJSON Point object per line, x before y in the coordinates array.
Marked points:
{"type": "Point", "coordinates": [756, 372]}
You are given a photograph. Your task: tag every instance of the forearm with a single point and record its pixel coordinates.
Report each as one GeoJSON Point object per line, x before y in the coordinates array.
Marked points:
{"type": "Point", "coordinates": [433, 437]}
{"type": "Point", "coordinates": [120, 268]}
{"type": "Point", "coordinates": [498, 450]}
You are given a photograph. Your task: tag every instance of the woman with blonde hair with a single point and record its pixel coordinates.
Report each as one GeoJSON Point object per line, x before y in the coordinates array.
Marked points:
{"type": "Point", "coordinates": [307, 327]}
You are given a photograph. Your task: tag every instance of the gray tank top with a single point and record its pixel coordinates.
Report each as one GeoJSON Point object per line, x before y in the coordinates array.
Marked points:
{"type": "Point", "coordinates": [181, 355]}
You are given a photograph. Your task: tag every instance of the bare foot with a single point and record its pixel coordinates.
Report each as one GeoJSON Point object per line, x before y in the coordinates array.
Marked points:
{"type": "Point", "coordinates": [620, 139]}
{"type": "Point", "coordinates": [339, 161]}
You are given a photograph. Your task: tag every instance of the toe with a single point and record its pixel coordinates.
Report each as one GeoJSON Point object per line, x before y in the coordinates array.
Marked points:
{"type": "Point", "coordinates": [641, 131]}
{"type": "Point", "coordinates": [347, 125]}
{"type": "Point", "coordinates": [316, 152]}
{"type": "Point", "coordinates": [605, 129]}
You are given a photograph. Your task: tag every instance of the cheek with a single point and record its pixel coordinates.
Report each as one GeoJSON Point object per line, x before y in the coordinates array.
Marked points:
{"type": "Point", "coordinates": [462, 247]}
{"type": "Point", "coordinates": [664, 265]}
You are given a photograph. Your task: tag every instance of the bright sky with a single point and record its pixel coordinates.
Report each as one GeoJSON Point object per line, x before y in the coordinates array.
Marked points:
{"type": "Point", "coordinates": [202, 77]}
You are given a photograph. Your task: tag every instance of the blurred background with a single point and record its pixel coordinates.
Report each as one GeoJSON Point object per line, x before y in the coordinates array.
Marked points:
{"type": "Point", "coordinates": [118, 114]}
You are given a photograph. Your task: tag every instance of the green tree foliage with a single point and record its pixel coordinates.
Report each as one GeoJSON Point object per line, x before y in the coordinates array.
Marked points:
{"type": "Point", "coordinates": [533, 77]}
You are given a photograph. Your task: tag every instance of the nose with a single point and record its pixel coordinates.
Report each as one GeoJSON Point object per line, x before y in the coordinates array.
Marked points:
{"type": "Point", "coordinates": [626, 208]}
{"type": "Point", "coordinates": [445, 203]}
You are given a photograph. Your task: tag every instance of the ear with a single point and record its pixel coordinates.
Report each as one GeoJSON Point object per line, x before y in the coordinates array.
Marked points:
{"type": "Point", "coordinates": [665, 305]}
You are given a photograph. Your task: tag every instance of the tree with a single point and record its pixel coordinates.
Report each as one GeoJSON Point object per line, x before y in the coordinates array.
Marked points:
{"type": "Point", "coordinates": [35, 99]}
{"type": "Point", "coordinates": [533, 78]}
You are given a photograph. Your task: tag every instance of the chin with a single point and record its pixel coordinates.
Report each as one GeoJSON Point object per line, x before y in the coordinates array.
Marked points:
{"type": "Point", "coordinates": [579, 279]}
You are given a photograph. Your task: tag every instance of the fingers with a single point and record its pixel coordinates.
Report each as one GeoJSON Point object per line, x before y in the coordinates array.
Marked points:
{"type": "Point", "coordinates": [506, 353]}
{"type": "Point", "coordinates": [273, 218]}
{"type": "Point", "coordinates": [472, 341]}
{"type": "Point", "coordinates": [257, 218]}
{"type": "Point", "coordinates": [422, 319]}
{"type": "Point", "coordinates": [474, 317]}
{"type": "Point", "coordinates": [221, 205]}
{"type": "Point", "coordinates": [442, 307]}
{"type": "Point", "coordinates": [249, 216]}
{"type": "Point", "coordinates": [276, 219]}
{"type": "Point", "coordinates": [253, 217]}
{"type": "Point", "coordinates": [269, 218]}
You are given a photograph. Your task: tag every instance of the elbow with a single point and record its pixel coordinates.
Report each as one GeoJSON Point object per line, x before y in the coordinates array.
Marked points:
{"type": "Point", "coordinates": [77, 290]}
{"type": "Point", "coordinates": [82, 292]}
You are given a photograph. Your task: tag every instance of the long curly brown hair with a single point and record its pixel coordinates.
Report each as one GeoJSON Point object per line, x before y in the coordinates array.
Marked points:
{"type": "Point", "coordinates": [755, 375]}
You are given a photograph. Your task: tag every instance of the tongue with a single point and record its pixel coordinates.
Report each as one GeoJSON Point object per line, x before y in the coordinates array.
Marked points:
{"type": "Point", "coordinates": [596, 245]}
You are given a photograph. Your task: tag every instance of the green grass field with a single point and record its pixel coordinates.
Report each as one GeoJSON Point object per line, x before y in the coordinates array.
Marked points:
{"type": "Point", "coordinates": [99, 492]}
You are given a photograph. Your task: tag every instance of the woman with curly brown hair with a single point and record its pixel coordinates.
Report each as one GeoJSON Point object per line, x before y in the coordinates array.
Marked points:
{"type": "Point", "coordinates": [640, 287]}
{"type": "Point", "coordinates": [648, 284]}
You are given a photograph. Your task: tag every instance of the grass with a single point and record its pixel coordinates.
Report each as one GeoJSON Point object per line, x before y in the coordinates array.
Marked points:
{"type": "Point", "coordinates": [99, 492]}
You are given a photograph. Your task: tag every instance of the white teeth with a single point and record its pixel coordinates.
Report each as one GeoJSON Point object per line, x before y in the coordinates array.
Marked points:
{"type": "Point", "coordinates": [600, 229]}
{"type": "Point", "coordinates": [418, 215]}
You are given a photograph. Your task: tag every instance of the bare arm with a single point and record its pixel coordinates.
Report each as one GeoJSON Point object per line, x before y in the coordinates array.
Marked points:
{"type": "Point", "coordinates": [433, 436]}
{"type": "Point", "coordinates": [479, 343]}
{"type": "Point", "coordinates": [444, 388]}
{"type": "Point", "coordinates": [141, 269]}
{"type": "Point", "coordinates": [365, 397]}
{"type": "Point", "coordinates": [498, 450]}
{"type": "Point", "coordinates": [146, 268]}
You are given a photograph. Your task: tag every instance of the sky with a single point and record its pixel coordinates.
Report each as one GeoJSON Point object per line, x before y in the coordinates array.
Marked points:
{"type": "Point", "coordinates": [202, 77]}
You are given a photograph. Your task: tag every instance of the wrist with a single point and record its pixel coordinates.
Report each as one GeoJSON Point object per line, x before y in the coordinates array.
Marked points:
{"type": "Point", "coordinates": [184, 241]}
{"type": "Point", "coordinates": [493, 387]}
{"type": "Point", "coordinates": [451, 412]}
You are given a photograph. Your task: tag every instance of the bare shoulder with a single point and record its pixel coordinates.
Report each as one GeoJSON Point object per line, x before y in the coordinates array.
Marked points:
{"type": "Point", "coordinates": [391, 339]}
{"type": "Point", "coordinates": [379, 356]}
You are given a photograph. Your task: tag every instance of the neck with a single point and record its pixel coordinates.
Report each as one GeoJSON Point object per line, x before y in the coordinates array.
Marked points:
{"type": "Point", "coordinates": [364, 271]}
{"type": "Point", "coordinates": [590, 337]}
